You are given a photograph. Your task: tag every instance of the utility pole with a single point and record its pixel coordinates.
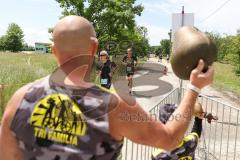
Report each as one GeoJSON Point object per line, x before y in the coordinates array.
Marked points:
{"type": "Point", "coordinates": [170, 38]}
{"type": "Point", "coordinates": [170, 34]}
{"type": "Point", "coordinates": [182, 16]}
{"type": "Point", "coordinates": [180, 80]}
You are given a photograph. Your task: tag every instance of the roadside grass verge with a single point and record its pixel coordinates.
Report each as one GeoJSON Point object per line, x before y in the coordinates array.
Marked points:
{"type": "Point", "coordinates": [225, 78]}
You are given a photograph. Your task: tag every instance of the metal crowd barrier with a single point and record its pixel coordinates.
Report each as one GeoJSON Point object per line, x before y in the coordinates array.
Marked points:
{"type": "Point", "coordinates": [219, 141]}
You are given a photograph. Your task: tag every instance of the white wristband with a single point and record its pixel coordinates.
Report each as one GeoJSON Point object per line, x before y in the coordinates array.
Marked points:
{"type": "Point", "coordinates": [194, 88]}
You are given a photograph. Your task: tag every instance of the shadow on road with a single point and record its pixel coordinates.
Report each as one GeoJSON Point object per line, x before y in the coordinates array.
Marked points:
{"type": "Point", "coordinates": [145, 82]}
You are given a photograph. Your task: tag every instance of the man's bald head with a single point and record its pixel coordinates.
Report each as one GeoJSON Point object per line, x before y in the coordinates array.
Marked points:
{"type": "Point", "coordinates": [73, 35]}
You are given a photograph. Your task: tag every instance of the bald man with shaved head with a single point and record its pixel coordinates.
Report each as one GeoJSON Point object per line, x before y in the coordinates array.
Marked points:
{"type": "Point", "coordinates": [66, 117]}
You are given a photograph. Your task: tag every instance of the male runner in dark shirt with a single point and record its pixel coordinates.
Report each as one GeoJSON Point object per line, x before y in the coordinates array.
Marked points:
{"type": "Point", "coordinates": [130, 62]}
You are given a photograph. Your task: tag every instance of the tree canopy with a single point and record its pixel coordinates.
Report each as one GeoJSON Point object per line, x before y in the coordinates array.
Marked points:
{"type": "Point", "coordinates": [113, 20]}
{"type": "Point", "coordinates": [13, 40]}
{"type": "Point", "coordinates": [165, 46]}
{"type": "Point", "coordinates": [228, 49]}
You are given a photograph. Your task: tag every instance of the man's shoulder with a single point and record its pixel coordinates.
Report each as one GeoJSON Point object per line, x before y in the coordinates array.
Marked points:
{"type": "Point", "coordinates": [18, 96]}
{"type": "Point", "coordinates": [14, 103]}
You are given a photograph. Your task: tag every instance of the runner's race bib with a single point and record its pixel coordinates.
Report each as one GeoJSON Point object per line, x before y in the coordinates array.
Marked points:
{"type": "Point", "coordinates": [129, 69]}
{"type": "Point", "coordinates": [104, 81]}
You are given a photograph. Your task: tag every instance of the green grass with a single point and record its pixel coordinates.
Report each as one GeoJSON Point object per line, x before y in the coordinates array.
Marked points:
{"type": "Point", "coordinates": [18, 69]}
{"type": "Point", "coordinates": [225, 78]}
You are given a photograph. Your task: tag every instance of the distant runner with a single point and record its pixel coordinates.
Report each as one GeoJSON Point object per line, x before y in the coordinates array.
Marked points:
{"type": "Point", "coordinates": [130, 62]}
{"type": "Point", "coordinates": [105, 70]}
{"type": "Point", "coordinates": [168, 57]}
{"type": "Point", "coordinates": [160, 58]}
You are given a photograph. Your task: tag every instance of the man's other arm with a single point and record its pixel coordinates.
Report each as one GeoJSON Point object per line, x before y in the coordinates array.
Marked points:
{"type": "Point", "coordinates": [9, 148]}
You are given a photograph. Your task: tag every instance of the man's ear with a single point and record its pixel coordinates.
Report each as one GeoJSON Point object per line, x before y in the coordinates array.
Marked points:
{"type": "Point", "coordinates": [53, 49]}
{"type": "Point", "coordinates": [55, 53]}
{"type": "Point", "coordinates": [94, 45]}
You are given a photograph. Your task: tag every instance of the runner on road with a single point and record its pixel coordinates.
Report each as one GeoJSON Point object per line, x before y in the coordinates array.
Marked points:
{"type": "Point", "coordinates": [130, 62]}
{"type": "Point", "coordinates": [105, 70]}
{"type": "Point", "coordinates": [160, 58]}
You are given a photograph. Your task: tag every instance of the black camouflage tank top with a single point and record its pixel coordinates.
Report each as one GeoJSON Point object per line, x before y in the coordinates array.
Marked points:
{"type": "Point", "coordinates": [60, 123]}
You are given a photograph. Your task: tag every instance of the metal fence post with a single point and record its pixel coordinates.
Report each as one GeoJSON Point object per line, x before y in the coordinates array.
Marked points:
{"type": "Point", "coordinates": [180, 90]}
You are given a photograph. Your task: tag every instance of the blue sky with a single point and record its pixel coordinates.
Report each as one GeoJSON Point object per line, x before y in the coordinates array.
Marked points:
{"type": "Point", "coordinates": [36, 16]}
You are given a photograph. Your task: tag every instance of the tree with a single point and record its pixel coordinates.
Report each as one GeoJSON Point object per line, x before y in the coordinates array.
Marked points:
{"type": "Point", "coordinates": [107, 16]}
{"type": "Point", "coordinates": [218, 40]}
{"type": "Point", "coordinates": [238, 32]}
{"type": "Point", "coordinates": [27, 47]}
{"type": "Point", "coordinates": [165, 46]}
{"type": "Point", "coordinates": [2, 43]}
{"type": "Point", "coordinates": [155, 50]}
{"type": "Point", "coordinates": [113, 20]}
{"type": "Point", "coordinates": [235, 52]}
{"type": "Point", "coordinates": [141, 44]}
{"type": "Point", "coordinates": [14, 38]}
{"type": "Point", "coordinates": [158, 50]}
{"type": "Point", "coordinates": [228, 49]}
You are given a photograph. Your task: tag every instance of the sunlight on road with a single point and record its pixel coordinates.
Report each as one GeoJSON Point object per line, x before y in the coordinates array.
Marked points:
{"type": "Point", "coordinates": [145, 88]}
{"type": "Point", "coordinates": [140, 73]}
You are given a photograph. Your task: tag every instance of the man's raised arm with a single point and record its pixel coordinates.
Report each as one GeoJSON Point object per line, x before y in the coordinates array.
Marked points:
{"type": "Point", "coordinates": [137, 125]}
